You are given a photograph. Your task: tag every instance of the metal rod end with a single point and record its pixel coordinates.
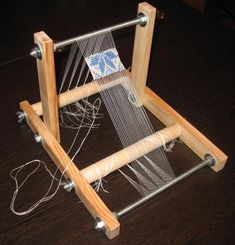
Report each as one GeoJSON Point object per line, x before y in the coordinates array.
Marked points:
{"type": "Point", "coordinates": [21, 116]}
{"type": "Point", "coordinates": [143, 19]}
{"type": "Point", "coordinates": [68, 185]}
{"type": "Point", "coordinates": [211, 160]}
{"type": "Point", "coordinates": [99, 225]}
{"type": "Point", "coordinates": [36, 52]}
{"type": "Point", "coordinates": [38, 138]}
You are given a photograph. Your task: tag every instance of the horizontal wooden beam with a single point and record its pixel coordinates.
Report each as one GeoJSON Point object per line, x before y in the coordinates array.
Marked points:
{"type": "Point", "coordinates": [78, 93]}
{"type": "Point", "coordinates": [121, 158]}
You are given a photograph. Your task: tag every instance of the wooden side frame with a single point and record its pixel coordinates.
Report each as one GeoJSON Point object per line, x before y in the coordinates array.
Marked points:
{"type": "Point", "coordinates": [84, 191]}
{"type": "Point", "coordinates": [195, 140]}
{"type": "Point", "coordinates": [142, 48]}
{"type": "Point", "coordinates": [167, 115]}
{"type": "Point", "coordinates": [47, 83]}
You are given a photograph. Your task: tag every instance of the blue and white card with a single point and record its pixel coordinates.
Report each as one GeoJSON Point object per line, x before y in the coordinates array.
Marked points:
{"type": "Point", "coordinates": [104, 63]}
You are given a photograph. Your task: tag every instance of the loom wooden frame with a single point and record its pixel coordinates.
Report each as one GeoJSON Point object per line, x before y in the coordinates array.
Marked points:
{"type": "Point", "coordinates": [50, 102]}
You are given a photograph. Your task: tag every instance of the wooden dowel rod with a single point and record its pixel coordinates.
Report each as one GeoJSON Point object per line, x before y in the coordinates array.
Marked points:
{"type": "Point", "coordinates": [79, 93]}
{"type": "Point", "coordinates": [130, 153]}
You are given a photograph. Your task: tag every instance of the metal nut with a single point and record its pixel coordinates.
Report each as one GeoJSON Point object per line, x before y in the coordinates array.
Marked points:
{"type": "Point", "coordinates": [38, 138]}
{"type": "Point", "coordinates": [211, 159]}
{"type": "Point", "coordinates": [20, 116]}
{"type": "Point", "coordinates": [68, 185]}
{"type": "Point", "coordinates": [99, 225]}
{"type": "Point", "coordinates": [143, 19]}
{"type": "Point", "coordinates": [36, 52]}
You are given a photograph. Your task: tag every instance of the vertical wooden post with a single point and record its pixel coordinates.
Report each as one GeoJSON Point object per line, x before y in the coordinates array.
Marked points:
{"type": "Point", "coordinates": [47, 83]}
{"type": "Point", "coordinates": [142, 49]}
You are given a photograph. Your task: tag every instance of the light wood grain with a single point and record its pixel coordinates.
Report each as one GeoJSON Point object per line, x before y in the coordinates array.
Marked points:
{"type": "Point", "coordinates": [142, 48]}
{"type": "Point", "coordinates": [47, 83]}
{"type": "Point", "coordinates": [79, 93]}
{"type": "Point", "coordinates": [121, 158]}
{"type": "Point", "coordinates": [190, 135]}
{"type": "Point", "coordinates": [82, 188]}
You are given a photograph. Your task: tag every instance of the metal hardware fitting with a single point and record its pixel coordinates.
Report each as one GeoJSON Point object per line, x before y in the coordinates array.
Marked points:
{"type": "Point", "coordinates": [38, 138]}
{"type": "Point", "coordinates": [141, 20]}
{"type": "Point", "coordinates": [208, 161]}
{"type": "Point", "coordinates": [21, 116]}
{"type": "Point", "coordinates": [68, 185]}
{"type": "Point", "coordinates": [99, 225]}
{"type": "Point", "coordinates": [36, 52]}
{"type": "Point", "coordinates": [59, 50]}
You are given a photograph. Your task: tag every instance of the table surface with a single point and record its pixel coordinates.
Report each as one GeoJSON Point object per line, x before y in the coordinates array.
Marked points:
{"type": "Point", "coordinates": [192, 68]}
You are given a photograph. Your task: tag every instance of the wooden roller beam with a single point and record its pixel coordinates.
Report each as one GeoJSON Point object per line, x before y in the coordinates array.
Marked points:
{"type": "Point", "coordinates": [130, 153]}
{"type": "Point", "coordinates": [79, 93]}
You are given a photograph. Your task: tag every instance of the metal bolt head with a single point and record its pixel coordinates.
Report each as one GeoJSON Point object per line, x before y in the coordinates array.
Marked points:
{"type": "Point", "coordinates": [99, 225]}
{"type": "Point", "coordinates": [68, 185]}
{"type": "Point", "coordinates": [37, 138]}
{"type": "Point", "coordinates": [143, 19]}
{"type": "Point", "coordinates": [20, 116]}
{"type": "Point", "coordinates": [36, 52]}
{"type": "Point", "coordinates": [211, 160]}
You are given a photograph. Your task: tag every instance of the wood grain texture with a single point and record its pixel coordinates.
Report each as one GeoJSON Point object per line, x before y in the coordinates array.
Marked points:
{"type": "Point", "coordinates": [47, 83]}
{"type": "Point", "coordinates": [142, 48]}
{"type": "Point", "coordinates": [78, 93]}
{"type": "Point", "coordinates": [82, 188]}
{"type": "Point", "coordinates": [192, 69]}
{"type": "Point", "coordinates": [119, 159]}
{"type": "Point", "coordinates": [190, 135]}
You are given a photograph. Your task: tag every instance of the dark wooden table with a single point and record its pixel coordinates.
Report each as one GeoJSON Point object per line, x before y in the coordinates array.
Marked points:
{"type": "Point", "coordinates": [192, 68]}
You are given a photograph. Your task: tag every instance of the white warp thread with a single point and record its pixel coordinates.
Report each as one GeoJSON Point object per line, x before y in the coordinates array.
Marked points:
{"type": "Point", "coordinates": [126, 112]}
{"type": "Point", "coordinates": [75, 116]}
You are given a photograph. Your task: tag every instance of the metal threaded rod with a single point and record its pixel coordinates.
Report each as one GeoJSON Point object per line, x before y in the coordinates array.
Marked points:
{"type": "Point", "coordinates": [209, 161]}
{"type": "Point", "coordinates": [141, 20]}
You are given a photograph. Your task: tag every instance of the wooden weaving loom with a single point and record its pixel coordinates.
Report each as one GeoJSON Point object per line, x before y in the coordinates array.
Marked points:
{"type": "Point", "coordinates": [47, 131]}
